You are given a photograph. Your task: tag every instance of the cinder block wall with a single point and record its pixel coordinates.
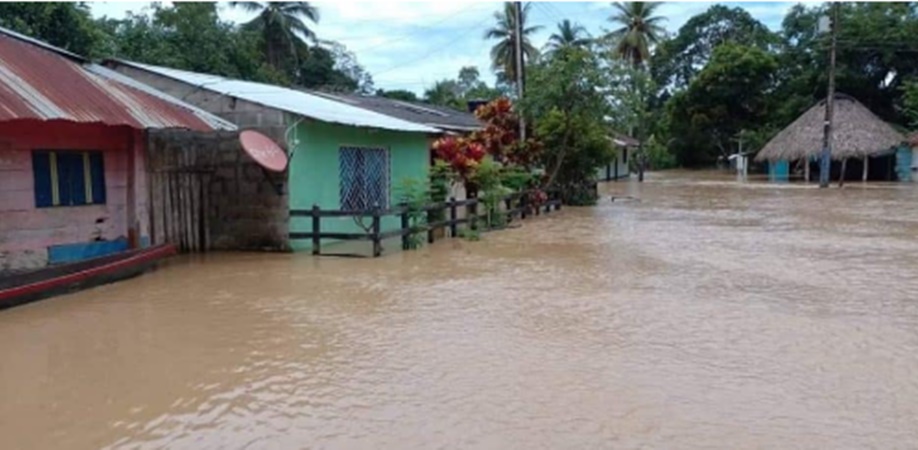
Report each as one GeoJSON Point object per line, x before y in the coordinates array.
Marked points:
{"type": "Point", "coordinates": [247, 208]}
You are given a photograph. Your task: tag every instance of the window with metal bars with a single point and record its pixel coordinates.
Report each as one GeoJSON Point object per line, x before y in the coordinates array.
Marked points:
{"type": "Point", "coordinates": [364, 175]}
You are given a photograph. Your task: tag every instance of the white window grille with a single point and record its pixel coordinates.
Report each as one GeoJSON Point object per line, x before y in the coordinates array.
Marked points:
{"type": "Point", "coordinates": [364, 178]}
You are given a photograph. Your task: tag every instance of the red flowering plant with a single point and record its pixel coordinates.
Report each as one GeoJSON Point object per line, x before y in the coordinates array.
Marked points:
{"type": "Point", "coordinates": [499, 139]}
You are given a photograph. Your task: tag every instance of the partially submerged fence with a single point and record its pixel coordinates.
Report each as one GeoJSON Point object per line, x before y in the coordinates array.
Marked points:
{"type": "Point", "coordinates": [515, 205]}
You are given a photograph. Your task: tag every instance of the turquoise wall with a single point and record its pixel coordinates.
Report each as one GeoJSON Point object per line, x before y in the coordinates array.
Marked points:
{"type": "Point", "coordinates": [314, 171]}
{"type": "Point", "coordinates": [779, 170]}
{"type": "Point", "coordinates": [904, 164]}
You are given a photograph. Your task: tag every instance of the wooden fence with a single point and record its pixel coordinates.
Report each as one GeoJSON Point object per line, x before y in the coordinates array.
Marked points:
{"type": "Point", "coordinates": [515, 205]}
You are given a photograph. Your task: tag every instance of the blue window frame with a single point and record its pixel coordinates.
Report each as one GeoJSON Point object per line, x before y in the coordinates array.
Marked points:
{"type": "Point", "coordinates": [68, 178]}
{"type": "Point", "coordinates": [364, 178]}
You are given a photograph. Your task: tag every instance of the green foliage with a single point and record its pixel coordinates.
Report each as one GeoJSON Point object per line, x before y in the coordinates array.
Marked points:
{"type": "Point", "coordinates": [678, 60]}
{"type": "Point", "coordinates": [470, 234]}
{"type": "Point", "coordinates": [414, 194]}
{"type": "Point", "coordinates": [397, 94]}
{"type": "Point", "coordinates": [566, 102]}
{"type": "Point", "coordinates": [457, 93]}
{"type": "Point", "coordinates": [191, 36]}
{"type": "Point", "coordinates": [731, 94]}
{"type": "Point", "coordinates": [281, 26]}
{"type": "Point", "coordinates": [491, 192]}
{"type": "Point", "coordinates": [909, 102]}
{"type": "Point", "coordinates": [569, 35]}
{"type": "Point", "coordinates": [517, 179]}
{"type": "Point", "coordinates": [65, 25]}
{"type": "Point", "coordinates": [638, 30]}
{"type": "Point", "coordinates": [440, 179]}
{"type": "Point", "coordinates": [658, 155]}
{"type": "Point", "coordinates": [503, 53]}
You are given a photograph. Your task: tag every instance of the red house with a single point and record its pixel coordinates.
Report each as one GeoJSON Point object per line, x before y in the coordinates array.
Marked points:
{"type": "Point", "coordinates": [73, 180]}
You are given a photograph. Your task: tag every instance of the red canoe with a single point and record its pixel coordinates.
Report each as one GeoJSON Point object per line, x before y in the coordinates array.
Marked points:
{"type": "Point", "coordinates": [23, 287]}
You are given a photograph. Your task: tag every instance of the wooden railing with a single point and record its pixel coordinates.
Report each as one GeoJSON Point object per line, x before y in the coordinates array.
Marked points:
{"type": "Point", "coordinates": [516, 205]}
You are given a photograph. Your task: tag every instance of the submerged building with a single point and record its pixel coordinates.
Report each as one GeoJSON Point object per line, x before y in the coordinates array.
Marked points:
{"type": "Point", "coordinates": [73, 154]}
{"type": "Point", "coordinates": [863, 145]}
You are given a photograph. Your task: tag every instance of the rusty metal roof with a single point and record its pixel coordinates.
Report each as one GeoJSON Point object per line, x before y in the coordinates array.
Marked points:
{"type": "Point", "coordinates": [42, 82]}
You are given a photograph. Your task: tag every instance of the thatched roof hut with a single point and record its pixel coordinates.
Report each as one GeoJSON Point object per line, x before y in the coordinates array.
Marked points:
{"type": "Point", "coordinates": [856, 132]}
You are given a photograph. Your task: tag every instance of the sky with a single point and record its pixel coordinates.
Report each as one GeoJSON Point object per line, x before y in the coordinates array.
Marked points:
{"type": "Point", "coordinates": [412, 45]}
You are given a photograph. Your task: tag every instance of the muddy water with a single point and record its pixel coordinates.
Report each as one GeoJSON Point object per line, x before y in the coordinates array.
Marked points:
{"type": "Point", "coordinates": [707, 315]}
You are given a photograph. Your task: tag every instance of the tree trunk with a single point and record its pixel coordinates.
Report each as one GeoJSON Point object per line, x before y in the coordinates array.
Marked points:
{"type": "Point", "coordinates": [561, 155]}
{"type": "Point", "coordinates": [641, 162]}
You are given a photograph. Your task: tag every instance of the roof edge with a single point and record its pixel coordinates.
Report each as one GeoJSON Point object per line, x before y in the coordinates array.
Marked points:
{"type": "Point", "coordinates": [38, 43]}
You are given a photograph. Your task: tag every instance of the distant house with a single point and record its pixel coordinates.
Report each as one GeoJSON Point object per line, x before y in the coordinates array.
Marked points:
{"type": "Point", "coordinates": [73, 137]}
{"type": "Point", "coordinates": [447, 120]}
{"type": "Point", "coordinates": [342, 156]}
{"type": "Point", "coordinates": [870, 148]}
{"type": "Point", "coordinates": [619, 167]}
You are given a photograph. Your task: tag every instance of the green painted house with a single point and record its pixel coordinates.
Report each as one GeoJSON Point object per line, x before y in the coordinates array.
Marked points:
{"type": "Point", "coordinates": [347, 168]}
{"type": "Point", "coordinates": [342, 157]}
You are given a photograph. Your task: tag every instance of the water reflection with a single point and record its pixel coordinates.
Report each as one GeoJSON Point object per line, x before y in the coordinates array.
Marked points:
{"type": "Point", "coordinates": [710, 314]}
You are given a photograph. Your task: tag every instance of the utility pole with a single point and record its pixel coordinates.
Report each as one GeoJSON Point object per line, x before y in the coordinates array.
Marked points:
{"type": "Point", "coordinates": [518, 62]}
{"type": "Point", "coordinates": [825, 163]}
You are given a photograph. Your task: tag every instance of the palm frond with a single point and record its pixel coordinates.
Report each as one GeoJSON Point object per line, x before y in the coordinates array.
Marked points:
{"type": "Point", "coordinates": [248, 6]}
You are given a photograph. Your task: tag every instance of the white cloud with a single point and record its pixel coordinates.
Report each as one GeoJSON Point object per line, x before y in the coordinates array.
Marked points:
{"type": "Point", "coordinates": [409, 45]}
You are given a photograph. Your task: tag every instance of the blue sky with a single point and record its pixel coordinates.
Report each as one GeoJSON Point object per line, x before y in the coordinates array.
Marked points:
{"type": "Point", "coordinates": [412, 45]}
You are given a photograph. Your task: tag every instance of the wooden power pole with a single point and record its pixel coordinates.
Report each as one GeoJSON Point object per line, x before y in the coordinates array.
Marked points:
{"type": "Point", "coordinates": [825, 162]}
{"type": "Point", "coordinates": [519, 63]}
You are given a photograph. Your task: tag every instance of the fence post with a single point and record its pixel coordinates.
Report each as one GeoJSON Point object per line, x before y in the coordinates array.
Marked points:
{"type": "Point", "coordinates": [508, 203]}
{"type": "Point", "coordinates": [472, 213]}
{"type": "Point", "coordinates": [524, 205]}
{"type": "Point", "coordinates": [430, 229]}
{"type": "Point", "coordinates": [405, 226]}
{"type": "Point", "coordinates": [377, 246]}
{"type": "Point", "coordinates": [452, 216]}
{"type": "Point", "coordinates": [316, 230]}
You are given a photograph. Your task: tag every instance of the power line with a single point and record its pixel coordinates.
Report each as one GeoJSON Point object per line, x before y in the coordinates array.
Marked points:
{"type": "Point", "coordinates": [424, 28]}
{"type": "Point", "coordinates": [432, 51]}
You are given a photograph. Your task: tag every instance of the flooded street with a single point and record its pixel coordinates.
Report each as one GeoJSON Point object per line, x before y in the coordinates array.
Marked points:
{"type": "Point", "coordinates": [709, 314]}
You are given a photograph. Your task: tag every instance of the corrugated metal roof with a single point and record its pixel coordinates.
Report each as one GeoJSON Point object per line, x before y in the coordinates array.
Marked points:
{"type": "Point", "coordinates": [285, 99]}
{"type": "Point", "coordinates": [430, 115]}
{"type": "Point", "coordinates": [42, 82]}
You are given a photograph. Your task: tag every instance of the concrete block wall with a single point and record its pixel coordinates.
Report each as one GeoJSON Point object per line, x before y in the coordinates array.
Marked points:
{"type": "Point", "coordinates": [244, 209]}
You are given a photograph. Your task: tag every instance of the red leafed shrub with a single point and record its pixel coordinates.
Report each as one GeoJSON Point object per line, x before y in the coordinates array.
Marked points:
{"type": "Point", "coordinates": [499, 138]}
{"type": "Point", "coordinates": [460, 154]}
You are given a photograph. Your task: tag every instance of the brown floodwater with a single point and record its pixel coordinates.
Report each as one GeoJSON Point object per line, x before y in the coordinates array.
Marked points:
{"type": "Point", "coordinates": [709, 314]}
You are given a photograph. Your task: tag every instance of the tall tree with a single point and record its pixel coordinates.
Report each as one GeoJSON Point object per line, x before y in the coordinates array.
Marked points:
{"type": "Point", "coordinates": [279, 24]}
{"type": "Point", "coordinates": [567, 104]}
{"type": "Point", "coordinates": [733, 94]}
{"type": "Point", "coordinates": [503, 53]}
{"type": "Point", "coordinates": [66, 25]}
{"type": "Point", "coordinates": [568, 35]}
{"type": "Point", "coordinates": [678, 60]}
{"type": "Point", "coordinates": [638, 29]}
{"type": "Point", "coordinates": [444, 93]}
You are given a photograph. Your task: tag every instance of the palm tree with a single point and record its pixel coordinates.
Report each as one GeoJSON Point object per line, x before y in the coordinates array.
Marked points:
{"type": "Point", "coordinates": [569, 35]}
{"type": "Point", "coordinates": [638, 30]}
{"type": "Point", "coordinates": [278, 23]}
{"type": "Point", "coordinates": [503, 54]}
{"type": "Point", "coordinates": [442, 93]}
